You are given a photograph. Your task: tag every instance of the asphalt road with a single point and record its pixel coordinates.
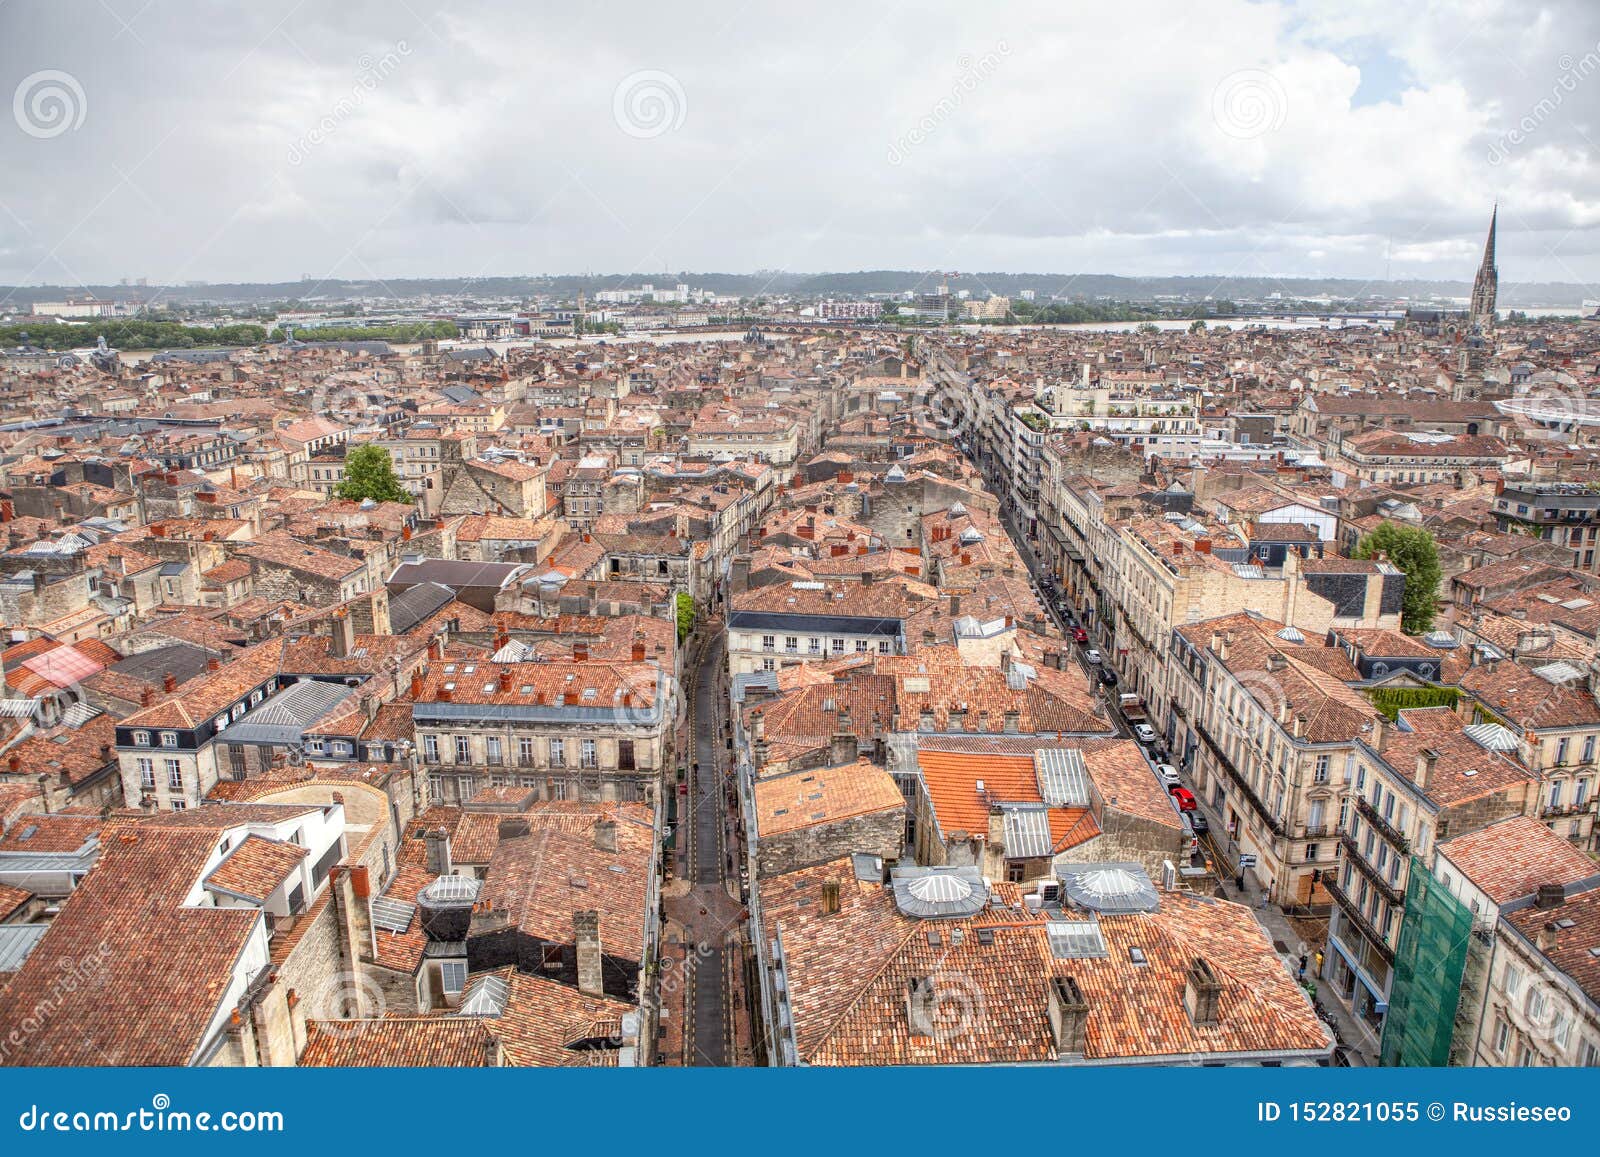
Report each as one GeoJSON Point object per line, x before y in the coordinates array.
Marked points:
{"type": "Point", "coordinates": [708, 858]}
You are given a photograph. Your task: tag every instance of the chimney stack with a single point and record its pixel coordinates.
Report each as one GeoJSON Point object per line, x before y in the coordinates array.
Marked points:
{"type": "Point", "coordinates": [921, 1006]}
{"type": "Point", "coordinates": [437, 841]}
{"type": "Point", "coordinates": [605, 835]}
{"type": "Point", "coordinates": [1202, 994]}
{"type": "Point", "coordinates": [1069, 1015]}
{"type": "Point", "coordinates": [1549, 896]}
{"type": "Point", "coordinates": [586, 936]}
{"type": "Point", "coordinates": [169, 682]}
{"type": "Point", "coordinates": [1427, 760]}
{"type": "Point", "coordinates": [830, 897]}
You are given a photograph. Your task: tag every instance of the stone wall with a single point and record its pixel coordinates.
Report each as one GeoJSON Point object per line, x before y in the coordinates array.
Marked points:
{"type": "Point", "coordinates": [880, 833]}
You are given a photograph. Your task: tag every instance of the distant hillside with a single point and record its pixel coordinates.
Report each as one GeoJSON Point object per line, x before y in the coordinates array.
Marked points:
{"type": "Point", "coordinates": [1079, 286]}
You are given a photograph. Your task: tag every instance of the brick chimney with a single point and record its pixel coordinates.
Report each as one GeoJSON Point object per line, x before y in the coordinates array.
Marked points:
{"type": "Point", "coordinates": [1202, 993]}
{"type": "Point", "coordinates": [586, 938]}
{"type": "Point", "coordinates": [921, 1006]}
{"type": "Point", "coordinates": [169, 682]}
{"type": "Point", "coordinates": [638, 651]}
{"type": "Point", "coordinates": [438, 851]}
{"type": "Point", "coordinates": [344, 634]}
{"type": "Point", "coordinates": [605, 835]}
{"type": "Point", "coordinates": [505, 680]}
{"type": "Point", "coordinates": [1427, 760]}
{"type": "Point", "coordinates": [1069, 1015]}
{"type": "Point", "coordinates": [416, 685]}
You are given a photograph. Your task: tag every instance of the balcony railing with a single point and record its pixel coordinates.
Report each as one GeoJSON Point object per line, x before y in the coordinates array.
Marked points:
{"type": "Point", "coordinates": [1375, 877]}
{"type": "Point", "coordinates": [1356, 917]}
{"type": "Point", "coordinates": [1567, 809]}
{"type": "Point", "coordinates": [1383, 827]}
{"type": "Point", "coordinates": [1255, 801]}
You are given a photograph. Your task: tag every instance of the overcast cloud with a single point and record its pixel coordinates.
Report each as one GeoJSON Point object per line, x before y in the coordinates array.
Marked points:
{"type": "Point", "coordinates": [407, 138]}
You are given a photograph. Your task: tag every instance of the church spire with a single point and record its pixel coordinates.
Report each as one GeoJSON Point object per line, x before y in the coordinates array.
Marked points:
{"type": "Point", "coordinates": [1487, 283]}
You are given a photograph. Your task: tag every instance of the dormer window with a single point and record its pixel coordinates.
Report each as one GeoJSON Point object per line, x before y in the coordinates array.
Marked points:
{"type": "Point", "coordinates": [141, 739]}
{"type": "Point", "coordinates": [169, 739]}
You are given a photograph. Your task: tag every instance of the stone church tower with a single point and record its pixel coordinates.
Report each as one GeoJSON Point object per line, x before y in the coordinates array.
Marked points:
{"type": "Point", "coordinates": [1486, 283]}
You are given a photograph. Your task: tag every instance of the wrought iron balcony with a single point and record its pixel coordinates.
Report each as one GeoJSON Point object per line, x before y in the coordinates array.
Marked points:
{"type": "Point", "coordinates": [1243, 784]}
{"type": "Point", "coordinates": [1375, 877]}
{"type": "Point", "coordinates": [1356, 917]}
{"type": "Point", "coordinates": [1383, 827]}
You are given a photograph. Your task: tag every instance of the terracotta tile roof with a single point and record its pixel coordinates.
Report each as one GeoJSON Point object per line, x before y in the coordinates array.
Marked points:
{"type": "Point", "coordinates": [549, 1025]}
{"type": "Point", "coordinates": [848, 974]}
{"type": "Point", "coordinates": [12, 901]}
{"type": "Point", "coordinates": [1573, 949]}
{"type": "Point", "coordinates": [1462, 771]}
{"type": "Point", "coordinates": [951, 780]}
{"type": "Point", "coordinates": [416, 1041]}
{"type": "Point", "coordinates": [161, 970]}
{"type": "Point", "coordinates": [50, 833]}
{"type": "Point", "coordinates": [1510, 859]}
{"type": "Point", "coordinates": [1528, 701]}
{"type": "Point", "coordinates": [823, 795]}
{"type": "Point", "coordinates": [542, 878]}
{"type": "Point", "coordinates": [1126, 783]}
{"type": "Point", "coordinates": [256, 867]}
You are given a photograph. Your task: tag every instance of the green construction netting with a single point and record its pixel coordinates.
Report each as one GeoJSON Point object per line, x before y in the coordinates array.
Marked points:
{"type": "Point", "coordinates": [1427, 974]}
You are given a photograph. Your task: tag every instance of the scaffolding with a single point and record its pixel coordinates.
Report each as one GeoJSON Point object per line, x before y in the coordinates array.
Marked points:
{"type": "Point", "coordinates": [1428, 974]}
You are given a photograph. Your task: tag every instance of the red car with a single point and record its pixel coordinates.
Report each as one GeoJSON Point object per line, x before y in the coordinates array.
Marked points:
{"type": "Point", "coordinates": [1079, 635]}
{"type": "Point", "coordinates": [1184, 797]}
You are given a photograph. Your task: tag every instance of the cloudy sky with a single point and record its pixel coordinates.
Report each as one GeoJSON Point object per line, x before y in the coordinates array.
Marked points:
{"type": "Point", "coordinates": [270, 140]}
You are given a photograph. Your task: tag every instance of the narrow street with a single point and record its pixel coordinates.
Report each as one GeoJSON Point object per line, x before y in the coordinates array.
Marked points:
{"type": "Point", "coordinates": [701, 907]}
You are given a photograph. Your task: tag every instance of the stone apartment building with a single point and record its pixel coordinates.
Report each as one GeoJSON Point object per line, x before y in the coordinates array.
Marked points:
{"type": "Point", "coordinates": [573, 729]}
{"type": "Point", "coordinates": [1426, 780]}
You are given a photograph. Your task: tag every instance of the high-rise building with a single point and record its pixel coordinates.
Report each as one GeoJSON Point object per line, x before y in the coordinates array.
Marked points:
{"type": "Point", "coordinates": [1487, 281]}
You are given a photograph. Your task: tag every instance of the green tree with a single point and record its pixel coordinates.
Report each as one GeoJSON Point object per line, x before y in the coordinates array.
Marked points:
{"type": "Point", "coordinates": [1197, 326]}
{"type": "Point", "coordinates": [685, 615]}
{"type": "Point", "coordinates": [369, 473]}
{"type": "Point", "coordinates": [1412, 549]}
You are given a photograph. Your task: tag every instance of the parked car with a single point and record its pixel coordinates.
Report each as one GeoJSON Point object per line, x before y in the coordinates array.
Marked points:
{"type": "Point", "coordinates": [1144, 733]}
{"type": "Point", "coordinates": [1079, 635]}
{"type": "Point", "coordinates": [1092, 657]}
{"type": "Point", "coordinates": [1183, 797]}
{"type": "Point", "coordinates": [1199, 823]}
{"type": "Point", "coordinates": [1167, 773]}
{"type": "Point", "coordinates": [1108, 677]}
